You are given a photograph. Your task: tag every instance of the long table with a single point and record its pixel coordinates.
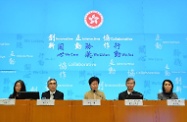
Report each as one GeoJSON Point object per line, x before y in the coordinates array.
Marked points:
{"type": "Point", "coordinates": [109, 111]}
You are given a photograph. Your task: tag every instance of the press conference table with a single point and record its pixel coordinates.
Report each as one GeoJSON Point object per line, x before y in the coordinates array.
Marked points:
{"type": "Point", "coordinates": [109, 111]}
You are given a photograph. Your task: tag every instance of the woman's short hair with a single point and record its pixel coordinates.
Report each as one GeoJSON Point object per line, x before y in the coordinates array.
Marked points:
{"type": "Point", "coordinates": [93, 79]}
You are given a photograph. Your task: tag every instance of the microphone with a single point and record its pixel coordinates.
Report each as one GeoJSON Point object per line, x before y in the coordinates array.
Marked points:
{"type": "Point", "coordinates": [97, 94]}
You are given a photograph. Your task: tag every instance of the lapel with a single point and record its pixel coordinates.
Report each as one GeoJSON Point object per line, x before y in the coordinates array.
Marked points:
{"type": "Point", "coordinates": [48, 94]}
{"type": "Point", "coordinates": [125, 94]}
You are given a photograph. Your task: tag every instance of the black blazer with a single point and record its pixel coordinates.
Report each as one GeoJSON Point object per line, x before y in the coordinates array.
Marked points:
{"type": "Point", "coordinates": [57, 95]}
{"type": "Point", "coordinates": [124, 95]}
{"type": "Point", "coordinates": [11, 96]}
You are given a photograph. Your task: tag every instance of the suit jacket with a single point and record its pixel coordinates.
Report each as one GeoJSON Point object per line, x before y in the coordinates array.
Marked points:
{"type": "Point", "coordinates": [57, 95]}
{"type": "Point", "coordinates": [162, 96]}
{"type": "Point", "coordinates": [11, 96]}
{"type": "Point", "coordinates": [124, 95]}
{"type": "Point", "coordinates": [98, 95]}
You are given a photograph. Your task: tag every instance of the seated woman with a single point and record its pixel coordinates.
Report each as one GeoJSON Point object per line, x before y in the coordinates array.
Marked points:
{"type": "Point", "coordinates": [94, 93]}
{"type": "Point", "coordinates": [18, 86]}
{"type": "Point", "coordinates": [167, 91]}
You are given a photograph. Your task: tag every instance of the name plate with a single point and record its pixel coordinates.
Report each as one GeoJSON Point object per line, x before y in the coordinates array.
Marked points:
{"type": "Point", "coordinates": [7, 101]}
{"type": "Point", "coordinates": [91, 102]}
{"type": "Point", "coordinates": [45, 102]}
{"type": "Point", "coordinates": [175, 102]}
{"type": "Point", "coordinates": [134, 102]}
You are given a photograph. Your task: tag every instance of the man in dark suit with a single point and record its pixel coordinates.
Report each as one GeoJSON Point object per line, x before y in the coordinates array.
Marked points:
{"type": "Point", "coordinates": [130, 83]}
{"type": "Point", "coordinates": [52, 93]}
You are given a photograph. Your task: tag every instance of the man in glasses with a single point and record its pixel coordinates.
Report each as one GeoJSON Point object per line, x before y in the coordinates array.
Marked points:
{"type": "Point", "coordinates": [130, 93]}
{"type": "Point", "coordinates": [53, 93]}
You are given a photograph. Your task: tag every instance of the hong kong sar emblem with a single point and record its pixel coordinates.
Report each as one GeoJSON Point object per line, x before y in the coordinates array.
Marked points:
{"type": "Point", "coordinates": [93, 19]}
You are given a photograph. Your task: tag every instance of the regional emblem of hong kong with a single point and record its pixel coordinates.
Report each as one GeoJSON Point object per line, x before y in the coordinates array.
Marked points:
{"type": "Point", "coordinates": [93, 19]}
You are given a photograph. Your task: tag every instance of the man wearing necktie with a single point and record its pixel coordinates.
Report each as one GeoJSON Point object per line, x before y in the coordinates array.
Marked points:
{"type": "Point", "coordinates": [51, 96]}
{"type": "Point", "coordinates": [52, 93]}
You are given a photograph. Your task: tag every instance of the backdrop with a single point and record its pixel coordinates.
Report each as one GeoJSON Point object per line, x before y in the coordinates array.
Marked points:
{"type": "Point", "coordinates": [73, 40]}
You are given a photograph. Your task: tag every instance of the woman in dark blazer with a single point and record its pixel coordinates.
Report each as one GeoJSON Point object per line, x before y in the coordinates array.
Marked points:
{"type": "Point", "coordinates": [167, 91]}
{"type": "Point", "coordinates": [18, 86]}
